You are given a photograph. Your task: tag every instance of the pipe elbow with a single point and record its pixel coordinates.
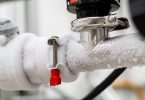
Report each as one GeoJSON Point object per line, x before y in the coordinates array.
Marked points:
{"type": "Point", "coordinates": [122, 51]}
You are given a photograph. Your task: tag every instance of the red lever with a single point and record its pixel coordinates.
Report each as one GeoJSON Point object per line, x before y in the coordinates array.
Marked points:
{"type": "Point", "coordinates": [73, 1]}
{"type": "Point", "coordinates": [55, 77]}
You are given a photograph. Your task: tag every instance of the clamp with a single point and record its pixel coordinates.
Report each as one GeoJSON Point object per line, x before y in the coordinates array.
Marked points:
{"type": "Point", "coordinates": [55, 78]}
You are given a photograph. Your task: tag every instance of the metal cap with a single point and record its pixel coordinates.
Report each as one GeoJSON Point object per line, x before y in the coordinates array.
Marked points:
{"type": "Point", "coordinates": [7, 27]}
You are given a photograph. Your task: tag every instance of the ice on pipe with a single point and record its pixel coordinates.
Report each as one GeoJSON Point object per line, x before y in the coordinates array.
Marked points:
{"type": "Point", "coordinates": [27, 56]}
{"type": "Point", "coordinates": [12, 76]}
{"type": "Point", "coordinates": [121, 51]}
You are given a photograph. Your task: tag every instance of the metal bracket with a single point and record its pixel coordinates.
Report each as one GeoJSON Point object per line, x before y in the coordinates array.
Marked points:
{"type": "Point", "coordinates": [54, 44]}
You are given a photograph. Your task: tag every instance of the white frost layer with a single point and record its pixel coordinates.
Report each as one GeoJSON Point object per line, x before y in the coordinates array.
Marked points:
{"type": "Point", "coordinates": [37, 56]}
{"type": "Point", "coordinates": [12, 76]}
{"type": "Point", "coordinates": [122, 51]}
{"type": "Point", "coordinates": [23, 62]}
{"type": "Point", "coordinates": [35, 60]}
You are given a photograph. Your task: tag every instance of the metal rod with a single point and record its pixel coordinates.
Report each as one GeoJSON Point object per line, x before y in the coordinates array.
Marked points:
{"type": "Point", "coordinates": [54, 53]}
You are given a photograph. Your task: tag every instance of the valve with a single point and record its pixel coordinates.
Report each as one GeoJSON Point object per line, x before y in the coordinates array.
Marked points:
{"type": "Point", "coordinates": [94, 20]}
{"type": "Point", "coordinates": [55, 77]}
{"type": "Point", "coordinates": [91, 8]}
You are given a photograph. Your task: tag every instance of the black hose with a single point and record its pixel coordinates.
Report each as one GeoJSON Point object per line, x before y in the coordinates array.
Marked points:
{"type": "Point", "coordinates": [107, 82]}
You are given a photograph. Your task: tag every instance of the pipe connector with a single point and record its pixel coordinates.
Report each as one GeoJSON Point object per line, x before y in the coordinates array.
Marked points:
{"type": "Point", "coordinates": [95, 29]}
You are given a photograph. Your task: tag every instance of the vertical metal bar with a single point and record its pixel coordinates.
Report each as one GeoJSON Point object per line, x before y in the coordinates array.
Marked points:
{"type": "Point", "coordinates": [93, 34]}
{"type": "Point", "coordinates": [98, 36]}
{"type": "Point", "coordinates": [106, 33]}
{"type": "Point", "coordinates": [54, 53]}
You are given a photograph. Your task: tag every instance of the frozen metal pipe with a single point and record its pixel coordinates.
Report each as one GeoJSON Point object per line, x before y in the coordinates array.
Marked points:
{"type": "Point", "coordinates": [24, 61]}
{"type": "Point", "coordinates": [117, 52]}
{"type": "Point", "coordinates": [121, 51]}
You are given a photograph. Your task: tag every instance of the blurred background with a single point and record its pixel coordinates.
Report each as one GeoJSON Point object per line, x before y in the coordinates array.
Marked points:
{"type": "Point", "coordinates": [50, 17]}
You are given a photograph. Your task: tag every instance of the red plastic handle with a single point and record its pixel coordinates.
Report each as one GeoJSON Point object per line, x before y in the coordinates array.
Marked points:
{"type": "Point", "coordinates": [55, 77]}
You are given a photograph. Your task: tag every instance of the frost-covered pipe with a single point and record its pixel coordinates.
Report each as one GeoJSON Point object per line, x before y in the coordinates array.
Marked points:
{"type": "Point", "coordinates": [24, 61]}
{"type": "Point", "coordinates": [117, 52]}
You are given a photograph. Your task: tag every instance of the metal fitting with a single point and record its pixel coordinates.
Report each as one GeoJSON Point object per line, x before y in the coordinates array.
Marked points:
{"type": "Point", "coordinates": [95, 29]}
{"type": "Point", "coordinates": [55, 78]}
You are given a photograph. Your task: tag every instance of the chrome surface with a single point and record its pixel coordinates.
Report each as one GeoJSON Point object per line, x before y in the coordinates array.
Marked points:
{"type": "Point", "coordinates": [95, 29]}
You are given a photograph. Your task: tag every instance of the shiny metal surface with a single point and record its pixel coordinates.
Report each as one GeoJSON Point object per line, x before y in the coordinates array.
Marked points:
{"type": "Point", "coordinates": [94, 29]}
